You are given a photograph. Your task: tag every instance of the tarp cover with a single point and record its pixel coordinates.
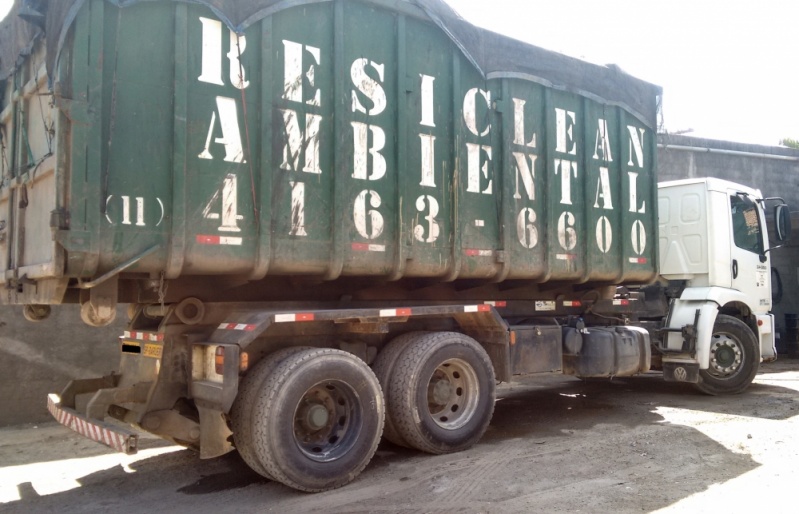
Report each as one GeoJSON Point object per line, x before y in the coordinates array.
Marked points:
{"type": "Point", "coordinates": [16, 39]}
{"type": "Point", "coordinates": [492, 53]}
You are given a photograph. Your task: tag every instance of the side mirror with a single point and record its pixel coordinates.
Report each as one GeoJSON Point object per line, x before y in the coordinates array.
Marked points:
{"type": "Point", "coordinates": [782, 222]}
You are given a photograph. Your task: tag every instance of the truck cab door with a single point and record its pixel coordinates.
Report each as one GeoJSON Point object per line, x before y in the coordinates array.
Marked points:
{"type": "Point", "coordinates": [750, 275]}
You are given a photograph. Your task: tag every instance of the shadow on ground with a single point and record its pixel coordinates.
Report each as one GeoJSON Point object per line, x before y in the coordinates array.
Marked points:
{"type": "Point", "coordinates": [552, 441]}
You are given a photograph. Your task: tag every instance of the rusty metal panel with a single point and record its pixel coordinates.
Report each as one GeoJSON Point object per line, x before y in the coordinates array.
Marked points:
{"type": "Point", "coordinates": [536, 349]}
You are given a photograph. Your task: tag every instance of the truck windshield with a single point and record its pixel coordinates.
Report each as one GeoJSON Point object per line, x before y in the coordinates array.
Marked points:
{"type": "Point", "coordinates": [746, 224]}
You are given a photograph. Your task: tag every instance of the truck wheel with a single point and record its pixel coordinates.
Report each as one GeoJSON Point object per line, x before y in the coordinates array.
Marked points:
{"type": "Point", "coordinates": [318, 419]}
{"type": "Point", "coordinates": [241, 412]}
{"type": "Point", "coordinates": [384, 368]}
{"type": "Point", "coordinates": [734, 358]}
{"type": "Point", "coordinates": [442, 393]}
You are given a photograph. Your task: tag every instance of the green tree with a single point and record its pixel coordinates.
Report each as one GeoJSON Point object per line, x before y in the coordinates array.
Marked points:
{"type": "Point", "coordinates": [790, 143]}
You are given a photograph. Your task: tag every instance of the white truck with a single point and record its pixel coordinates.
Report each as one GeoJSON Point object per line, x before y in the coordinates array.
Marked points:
{"type": "Point", "coordinates": [714, 264]}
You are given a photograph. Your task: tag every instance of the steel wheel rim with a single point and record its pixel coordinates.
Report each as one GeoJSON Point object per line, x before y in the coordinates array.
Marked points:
{"type": "Point", "coordinates": [726, 356]}
{"type": "Point", "coordinates": [327, 421]}
{"type": "Point", "coordinates": [452, 394]}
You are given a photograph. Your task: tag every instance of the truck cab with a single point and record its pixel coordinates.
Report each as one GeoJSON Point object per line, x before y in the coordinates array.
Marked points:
{"type": "Point", "coordinates": [714, 250]}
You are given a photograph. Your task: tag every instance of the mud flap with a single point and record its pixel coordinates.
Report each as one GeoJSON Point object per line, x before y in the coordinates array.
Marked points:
{"type": "Point", "coordinates": [768, 343]}
{"type": "Point", "coordinates": [687, 372]}
{"type": "Point", "coordinates": [215, 434]}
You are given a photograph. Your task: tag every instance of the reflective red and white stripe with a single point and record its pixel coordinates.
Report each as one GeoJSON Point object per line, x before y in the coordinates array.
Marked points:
{"type": "Point", "coordinates": [396, 313]}
{"type": "Point", "coordinates": [383, 313]}
{"type": "Point", "coordinates": [363, 247]}
{"type": "Point", "coordinates": [401, 313]}
{"type": "Point", "coordinates": [479, 253]}
{"type": "Point", "coordinates": [219, 240]}
{"type": "Point", "coordinates": [638, 260]}
{"type": "Point", "coordinates": [115, 440]}
{"type": "Point", "coordinates": [144, 336]}
{"type": "Point", "coordinates": [621, 302]}
{"type": "Point", "coordinates": [294, 317]}
{"type": "Point", "coordinates": [572, 304]}
{"type": "Point", "coordinates": [241, 327]}
{"type": "Point", "coordinates": [477, 308]}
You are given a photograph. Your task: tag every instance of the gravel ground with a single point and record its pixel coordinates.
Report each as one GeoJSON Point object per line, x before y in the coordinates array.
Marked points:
{"type": "Point", "coordinates": [555, 444]}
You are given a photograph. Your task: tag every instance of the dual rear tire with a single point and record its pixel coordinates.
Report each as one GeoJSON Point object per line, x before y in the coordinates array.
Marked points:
{"type": "Point", "coordinates": [312, 418]}
{"type": "Point", "coordinates": [440, 391]}
{"type": "Point", "coordinates": [309, 418]}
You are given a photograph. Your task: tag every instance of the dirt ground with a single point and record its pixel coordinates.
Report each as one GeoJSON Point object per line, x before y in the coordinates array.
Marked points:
{"type": "Point", "coordinates": [555, 444]}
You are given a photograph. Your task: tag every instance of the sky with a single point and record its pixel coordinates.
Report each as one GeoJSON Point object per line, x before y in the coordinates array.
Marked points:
{"type": "Point", "coordinates": [728, 69]}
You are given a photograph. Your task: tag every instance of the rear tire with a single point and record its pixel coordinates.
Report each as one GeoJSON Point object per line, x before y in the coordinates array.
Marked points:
{"type": "Point", "coordinates": [241, 413]}
{"type": "Point", "coordinates": [734, 358]}
{"type": "Point", "coordinates": [442, 393]}
{"type": "Point", "coordinates": [318, 420]}
{"type": "Point", "coordinates": [384, 369]}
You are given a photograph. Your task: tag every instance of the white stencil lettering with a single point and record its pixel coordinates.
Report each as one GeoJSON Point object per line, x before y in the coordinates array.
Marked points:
{"type": "Point", "coordinates": [636, 146]}
{"type": "Point", "coordinates": [470, 110]}
{"type": "Point", "coordinates": [212, 55]}
{"type": "Point", "coordinates": [298, 142]}
{"type": "Point", "coordinates": [368, 222]}
{"type": "Point", "coordinates": [526, 229]}
{"type": "Point", "coordinates": [297, 209]}
{"type": "Point", "coordinates": [604, 234]}
{"type": "Point", "coordinates": [229, 207]}
{"type": "Point", "coordinates": [526, 173]}
{"type": "Point", "coordinates": [567, 170]}
{"type": "Point", "coordinates": [294, 74]}
{"type": "Point", "coordinates": [433, 229]}
{"type": "Point", "coordinates": [603, 190]}
{"type": "Point", "coordinates": [639, 237]}
{"type": "Point", "coordinates": [363, 151]}
{"type": "Point", "coordinates": [231, 135]}
{"type": "Point", "coordinates": [369, 87]}
{"type": "Point", "coordinates": [519, 134]}
{"type": "Point", "coordinates": [479, 157]}
{"type": "Point", "coordinates": [567, 236]}
{"type": "Point", "coordinates": [602, 146]}
{"type": "Point", "coordinates": [565, 121]}
{"type": "Point", "coordinates": [428, 101]}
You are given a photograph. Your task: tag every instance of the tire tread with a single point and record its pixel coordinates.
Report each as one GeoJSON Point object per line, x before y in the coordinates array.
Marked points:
{"type": "Point", "coordinates": [241, 412]}
{"type": "Point", "coordinates": [270, 393]}
{"type": "Point", "coordinates": [384, 369]}
{"type": "Point", "coordinates": [401, 405]}
{"type": "Point", "coordinates": [738, 384]}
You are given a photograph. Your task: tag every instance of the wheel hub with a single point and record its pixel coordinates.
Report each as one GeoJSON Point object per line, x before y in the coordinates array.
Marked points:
{"type": "Point", "coordinates": [452, 394]}
{"type": "Point", "coordinates": [442, 391]}
{"type": "Point", "coordinates": [327, 421]}
{"type": "Point", "coordinates": [726, 356]}
{"type": "Point", "coordinates": [317, 417]}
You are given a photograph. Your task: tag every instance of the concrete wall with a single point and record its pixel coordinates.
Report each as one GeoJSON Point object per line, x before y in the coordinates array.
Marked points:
{"type": "Point", "coordinates": [773, 170]}
{"type": "Point", "coordinates": [40, 358]}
